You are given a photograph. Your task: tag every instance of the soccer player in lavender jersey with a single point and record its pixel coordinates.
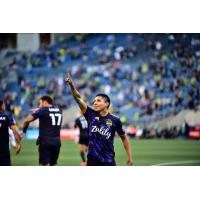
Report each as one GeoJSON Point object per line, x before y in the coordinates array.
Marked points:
{"type": "Point", "coordinates": [102, 128]}
{"type": "Point", "coordinates": [50, 119]}
{"type": "Point", "coordinates": [6, 122]}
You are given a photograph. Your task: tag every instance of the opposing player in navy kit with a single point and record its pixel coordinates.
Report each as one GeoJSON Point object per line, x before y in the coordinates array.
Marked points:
{"type": "Point", "coordinates": [6, 122]}
{"type": "Point", "coordinates": [102, 128]}
{"type": "Point", "coordinates": [50, 120]}
{"type": "Point", "coordinates": [82, 125]}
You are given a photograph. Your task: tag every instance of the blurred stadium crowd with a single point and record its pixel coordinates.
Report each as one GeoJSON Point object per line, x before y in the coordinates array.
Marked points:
{"type": "Point", "coordinates": [147, 76]}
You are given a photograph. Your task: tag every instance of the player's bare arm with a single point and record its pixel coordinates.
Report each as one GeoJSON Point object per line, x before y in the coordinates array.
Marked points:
{"type": "Point", "coordinates": [75, 126]}
{"type": "Point", "coordinates": [81, 103]}
{"type": "Point", "coordinates": [127, 147]}
{"type": "Point", "coordinates": [26, 125]}
{"type": "Point", "coordinates": [16, 134]}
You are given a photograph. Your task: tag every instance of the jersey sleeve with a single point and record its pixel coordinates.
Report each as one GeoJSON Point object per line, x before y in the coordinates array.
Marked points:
{"type": "Point", "coordinates": [119, 128]}
{"type": "Point", "coordinates": [38, 113]}
{"type": "Point", "coordinates": [89, 113]}
{"type": "Point", "coordinates": [11, 120]}
{"type": "Point", "coordinates": [76, 122]}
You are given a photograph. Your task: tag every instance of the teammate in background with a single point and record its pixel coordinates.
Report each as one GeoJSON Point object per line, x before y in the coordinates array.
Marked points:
{"type": "Point", "coordinates": [102, 128]}
{"type": "Point", "coordinates": [6, 121]}
{"type": "Point", "coordinates": [50, 120]}
{"type": "Point", "coordinates": [13, 142]}
{"type": "Point", "coordinates": [82, 125]}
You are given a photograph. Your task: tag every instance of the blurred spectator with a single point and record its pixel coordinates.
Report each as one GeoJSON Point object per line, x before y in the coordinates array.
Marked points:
{"type": "Point", "coordinates": [149, 76]}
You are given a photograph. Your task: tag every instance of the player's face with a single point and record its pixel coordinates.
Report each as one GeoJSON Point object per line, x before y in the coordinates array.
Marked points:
{"type": "Point", "coordinates": [99, 104]}
{"type": "Point", "coordinates": [3, 107]}
{"type": "Point", "coordinates": [42, 104]}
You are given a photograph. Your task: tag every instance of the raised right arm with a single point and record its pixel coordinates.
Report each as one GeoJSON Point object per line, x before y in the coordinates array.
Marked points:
{"type": "Point", "coordinates": [81, 103]}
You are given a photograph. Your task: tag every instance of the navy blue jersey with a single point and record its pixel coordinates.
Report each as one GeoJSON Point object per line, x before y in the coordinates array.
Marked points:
{"type": "Point", "coordinates": [50, 120]}
{"type": "Point", "coordinates": [82, 124]}
{"type": "Point", "coordinates": [6, 120]}
{"type": "Point", "coordinates": [101, 135]}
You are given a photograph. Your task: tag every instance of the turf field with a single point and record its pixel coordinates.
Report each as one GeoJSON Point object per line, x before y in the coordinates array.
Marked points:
{"type": "Point", "coordinates": [145, 152]}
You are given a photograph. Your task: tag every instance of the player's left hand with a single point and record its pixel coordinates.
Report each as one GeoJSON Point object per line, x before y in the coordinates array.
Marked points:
{"type": "Point", "coordinates": [129, 162]}
{"type": "Point", "coordinates": [22, 135]}
{"type": "Point", "coordinates": [17, 148]}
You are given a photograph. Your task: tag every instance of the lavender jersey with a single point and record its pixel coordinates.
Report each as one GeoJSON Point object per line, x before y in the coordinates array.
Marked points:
{"type": "Point", "coordinates": [101, 135]}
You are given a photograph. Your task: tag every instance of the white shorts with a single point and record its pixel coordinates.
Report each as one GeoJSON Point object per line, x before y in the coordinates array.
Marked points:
{"type": "Point", "coordinates": [12, 140]}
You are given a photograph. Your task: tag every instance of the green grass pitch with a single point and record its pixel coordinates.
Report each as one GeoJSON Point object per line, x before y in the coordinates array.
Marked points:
{"type": "Point", "coordinates": [145, 152]}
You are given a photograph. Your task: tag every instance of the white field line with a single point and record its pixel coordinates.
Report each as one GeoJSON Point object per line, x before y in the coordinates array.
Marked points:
{"type": "Point", "coordinates": [178, 162]}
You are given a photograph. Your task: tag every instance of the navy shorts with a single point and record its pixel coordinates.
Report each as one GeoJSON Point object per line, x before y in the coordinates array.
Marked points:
{"type": "Point", "coordinates": [5, 159]}
{"type": "Point", "coordinates": [91, 161]}
{"type": "Point", "coordinates": [48, 154]}
{"type": "Point", "coordinates": [84, 140]}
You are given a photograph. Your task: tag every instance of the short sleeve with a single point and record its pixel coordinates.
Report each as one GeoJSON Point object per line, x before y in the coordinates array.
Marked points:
{"type": "Point", "coordinates": [76, 122]}
{"type": "Point", "coordinates": [89, 113]}
{"type": "Point", "coordinates": [119, 128]}
{"type": "Point", "coordinates": [11, 120]}
{"type": "Point", "coordinates": [38, 113]}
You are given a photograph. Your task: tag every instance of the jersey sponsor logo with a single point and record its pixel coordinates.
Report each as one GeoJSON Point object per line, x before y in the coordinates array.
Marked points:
{"type": "Point", "coordinates": [102, 131]}
{"type": "Point", "coordinates": [2, 118]}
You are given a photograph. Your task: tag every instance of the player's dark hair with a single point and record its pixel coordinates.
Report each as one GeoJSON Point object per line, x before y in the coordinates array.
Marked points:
{"type": "Point", "coordinates": [106, 97]}
{"type": "Point", "coordinates": [47, 98]}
